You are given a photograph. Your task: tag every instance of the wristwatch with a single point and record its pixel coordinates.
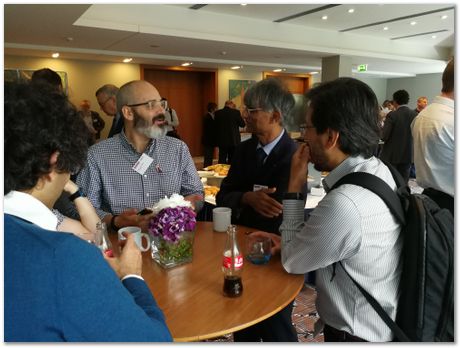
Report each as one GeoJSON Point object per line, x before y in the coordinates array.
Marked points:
{"type": "Point", "coordinates": [293, 195]}
{"type": "Point", "coordinates": [75, 195]}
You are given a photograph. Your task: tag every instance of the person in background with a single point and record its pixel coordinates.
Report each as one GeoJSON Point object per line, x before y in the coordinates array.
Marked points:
{"type": "Point", "coordinates": [58, 287]}
{"type": "Point", "coordinates": [228, 120]}
{"type": "Point", "coordinates": [397, 149]}
{"type": "Point", "coordinates": [139, 166]}
{"type": "Point", "coordinates": [350, 225]}
{"type": "Point", "coordinates": [171, 121]}
{"type": "Point", "coordinates": [48, 77]}
{"type": "Point", "coordinates": [208, 138]}
{"type": "Point", "coordinates": [107, 99]}
{"type": "Point", "coordinates": [92, 119]}
{"type": "Point", "coordinates": [257, 181]}
{"type": "Point", "coordinates": [434, 144]}
{"type": "Point", "coordinates": [422, 102]}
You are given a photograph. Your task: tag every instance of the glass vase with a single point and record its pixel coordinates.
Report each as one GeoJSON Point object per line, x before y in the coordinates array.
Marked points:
{"type": "Point", "coordinates": [171, 254]}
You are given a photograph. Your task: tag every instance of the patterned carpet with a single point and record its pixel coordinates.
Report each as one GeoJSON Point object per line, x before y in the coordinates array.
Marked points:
{"type": "Point", "coordinates": [304, 317]}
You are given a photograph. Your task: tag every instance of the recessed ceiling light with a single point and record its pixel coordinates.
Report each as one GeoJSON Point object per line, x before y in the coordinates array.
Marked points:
{"type": "Point", "coordinates": [324, 18]}
{"type": "Point", "coordinates": [243, 4]}
{"type": "Point", "coordinates": [314, 73]}
{"type": "Point", "coordinates": [385, 28]}
{"type": "Point", "coordinates": [277, 70]}
{"type": "Point", "coordinates": [187, 64]}
{"type": "Point", "coordinates": [351, 10]}
{"type": "Point", "coordinates": [55, 55]}
{"type": "Point", "coordinates": [127, 60]}
{"type": "Point", "coordinates": [236, 67]}
{"type": "Point", "coordinates": [433, 37]}
{"type": "Point", "coordinates": [413, 23]}
{"type": "Point", "coordinates": [444, 17]}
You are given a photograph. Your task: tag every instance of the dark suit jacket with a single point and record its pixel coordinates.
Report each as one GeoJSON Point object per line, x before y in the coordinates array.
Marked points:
{"type": "Point", "coordinates": [397, 136]}
{"type": "Point", "coordinates": [227, 122]}
{"type": "Point", "coordinates": [117, 126]}
{"type": "Point", "coordinates": [244, 174]}
{"type": "Point", "coordinates": [209, 131]}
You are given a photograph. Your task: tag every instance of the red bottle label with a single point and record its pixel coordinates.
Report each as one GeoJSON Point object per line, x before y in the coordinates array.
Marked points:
{"type": "Point", "coordinates": [227, 262]}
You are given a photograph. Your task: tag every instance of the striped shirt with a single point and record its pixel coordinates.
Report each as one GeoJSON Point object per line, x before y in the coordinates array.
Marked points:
{"type": "Point", "coordinates": [111, 184]}
{"type": "Point", "coordinates": [352, 225]}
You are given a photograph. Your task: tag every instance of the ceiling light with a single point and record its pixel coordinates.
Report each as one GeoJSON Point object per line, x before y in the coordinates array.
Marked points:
{"type": "Point", "coordinates": [314, 73]}
{"type": "Point", "coordinates": [127, 60]}
{"type": "Point", "coordinates": [444, 17]}
{"type": "Point", "coordinates": [351, 10]}
{"type": "Point", "coordinates": [187, 64]}
{"type": "Point", "coordinates": [277, 70]}
{"type": "Point", "coordinates": [243, 4]}
{"type": "Point", "coordinates": [385, 28]}
{"type": "Point", "coordinates": [236, 67]}
{"type": "Point", "coordinates": [324, 18]}
{"type": "Point", "coordinates": [413, 23]}
{"type": "Point", "coordinates": [433, 37]}
{"type": "Point", "coordinates": [55, 55]}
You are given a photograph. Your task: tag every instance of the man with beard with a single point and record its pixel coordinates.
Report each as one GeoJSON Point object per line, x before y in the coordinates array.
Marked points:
{"type": "Point", "coordinates": [139, 166]}
{"type": "Point", "coordinates": [350, 225]}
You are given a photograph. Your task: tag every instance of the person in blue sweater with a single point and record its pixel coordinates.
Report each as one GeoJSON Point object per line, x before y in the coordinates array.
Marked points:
{"type": "Point", "coordinates": [58, 287]}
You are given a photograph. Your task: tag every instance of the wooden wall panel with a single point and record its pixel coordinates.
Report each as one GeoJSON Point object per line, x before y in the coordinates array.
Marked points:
{"type": "Point", "coordinates": [297, 83]}
{"type": "Point", "coordinates": [188, 92]}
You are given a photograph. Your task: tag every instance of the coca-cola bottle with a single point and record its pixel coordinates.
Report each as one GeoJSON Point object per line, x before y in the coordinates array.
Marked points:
{"type": "Point", "coordinates": [103, 241]}
{"type": "Point", "coordinates": [232, 265]}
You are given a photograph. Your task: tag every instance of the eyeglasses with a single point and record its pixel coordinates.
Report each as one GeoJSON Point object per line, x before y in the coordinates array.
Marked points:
{"type": "Point", "coordinates": [105, 102]}
{"type": "Point", "coordinates": [152, 104]}
{"type": "Point", "coordinates": [249, 111]}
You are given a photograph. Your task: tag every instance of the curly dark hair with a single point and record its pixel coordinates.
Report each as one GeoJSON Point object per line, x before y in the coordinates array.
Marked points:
{"type": "Point", "coordinates": [38, 122]}
{"type": "Point", "coordinates": [350, 107]}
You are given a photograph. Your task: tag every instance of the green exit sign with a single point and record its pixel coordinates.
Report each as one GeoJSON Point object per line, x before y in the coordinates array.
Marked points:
{"type": "Point", "coordinates": [362, 67]}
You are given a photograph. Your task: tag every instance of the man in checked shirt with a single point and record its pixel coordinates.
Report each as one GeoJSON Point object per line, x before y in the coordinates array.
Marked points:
{"type": "Point", "coordinates": [139, 166]}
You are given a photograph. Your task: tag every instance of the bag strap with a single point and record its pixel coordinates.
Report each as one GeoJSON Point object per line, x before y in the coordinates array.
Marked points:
{"type": "Point", "coordinates": [391, 199]}
{"type": "Point", "coordinates": [401, 336]}
{"type": "Point", "coordinates": [379, 187]}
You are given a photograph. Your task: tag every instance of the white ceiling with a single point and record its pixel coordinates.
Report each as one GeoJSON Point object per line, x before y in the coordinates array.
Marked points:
{"type": "Point", "coordinates": [222, 35]}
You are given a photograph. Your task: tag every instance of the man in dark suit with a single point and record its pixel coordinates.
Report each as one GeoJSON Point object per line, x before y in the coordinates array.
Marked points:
{"type": "Point", "coordinates": [208, 138]}
{"type": "Point", "coordinates": [257, 181]}
{"type": "Point", "coordinates": [228, 120]}
{"type": "Point", "coordinates": [397, 136]}
{"type": "Point", "coordinates": [107, 99]}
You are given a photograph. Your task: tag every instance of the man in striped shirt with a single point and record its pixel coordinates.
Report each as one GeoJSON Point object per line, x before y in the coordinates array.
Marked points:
{"type": "Point", "coordinates": [351, 224]}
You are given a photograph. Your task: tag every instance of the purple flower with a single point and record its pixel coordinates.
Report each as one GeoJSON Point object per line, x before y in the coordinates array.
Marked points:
{"type": "Point", "coordinates": [170, 223]}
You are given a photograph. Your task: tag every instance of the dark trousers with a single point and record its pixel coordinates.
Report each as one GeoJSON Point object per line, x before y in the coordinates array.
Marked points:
{"type": "Point", "coordinates": [208, 155]}
{"type": "Point", "coordinates": [226, 154]}
{"type": "Point", "coordinates": [333, 335]}
{"type": "Point", "coordinates": [277, 328]}
{"type": "Point", "coordinates": [442, 199]}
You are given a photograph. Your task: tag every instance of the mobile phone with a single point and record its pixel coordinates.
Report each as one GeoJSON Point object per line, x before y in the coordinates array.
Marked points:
{"type": "Point", "coordinates": [144, 211]}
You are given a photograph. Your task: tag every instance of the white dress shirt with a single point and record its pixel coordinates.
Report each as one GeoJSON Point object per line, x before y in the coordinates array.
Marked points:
{"type": "Point", "coordinates": [434, 146]}
{"type": "Point", "coordinates": [29, 208]}
{"type": "Point", "coordinates": [353, 225]}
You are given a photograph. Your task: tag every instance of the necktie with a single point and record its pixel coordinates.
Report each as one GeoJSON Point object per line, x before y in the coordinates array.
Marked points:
{"type": "Point", "coordinates": [260, 156]}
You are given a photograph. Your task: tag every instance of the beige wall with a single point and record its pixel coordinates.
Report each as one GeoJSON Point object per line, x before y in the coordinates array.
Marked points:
{"type": "Point", "coordinates": [224, 75]}
{"type": "Point", "coordinates": [84, 77]}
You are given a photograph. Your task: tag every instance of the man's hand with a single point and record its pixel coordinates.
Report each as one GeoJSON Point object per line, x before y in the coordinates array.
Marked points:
{"type": "Point", "coordinates": [130, 260]}
{"type": "Point", "coordinates": [276, 240]}
{"type": "Point", "coordinates": [262, 203]}
{"type": "Point", "coordinates": [130, 218]}
{"type": "Point", "coordinates": [299, 168]}
{"type": "Point", "coordinates": [194, 199]}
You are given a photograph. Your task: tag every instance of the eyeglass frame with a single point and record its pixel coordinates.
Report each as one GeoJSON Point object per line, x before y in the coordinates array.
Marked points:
{"type": "Point", "coordinates": [250, 111]}
{"type": "Point", "coordinates": [162, 103]}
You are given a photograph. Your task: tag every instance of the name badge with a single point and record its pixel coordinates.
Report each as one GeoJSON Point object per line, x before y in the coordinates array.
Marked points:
{"type": "Point", "coordinates": [259, 187]}
{"type": "Point", "coordinates": [142, 164]}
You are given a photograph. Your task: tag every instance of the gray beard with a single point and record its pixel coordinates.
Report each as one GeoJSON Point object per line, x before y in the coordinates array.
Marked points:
{"type": "Point", "coordinates": [152, 132]}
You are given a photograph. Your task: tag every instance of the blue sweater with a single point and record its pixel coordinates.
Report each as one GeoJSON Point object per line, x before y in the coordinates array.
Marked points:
{"type": "Point", "coordinates": [59, 288]}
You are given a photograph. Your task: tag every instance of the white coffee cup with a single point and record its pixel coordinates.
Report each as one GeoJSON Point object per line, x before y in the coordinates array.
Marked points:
{"type": "Point", "coordinates": [221, 218]}
{"type": "Point", "coordinates": [138, 235]}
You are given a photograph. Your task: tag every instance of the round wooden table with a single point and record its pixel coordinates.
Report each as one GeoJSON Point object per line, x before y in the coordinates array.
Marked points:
{"type": "Point", "coordinates": [191, 295]}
